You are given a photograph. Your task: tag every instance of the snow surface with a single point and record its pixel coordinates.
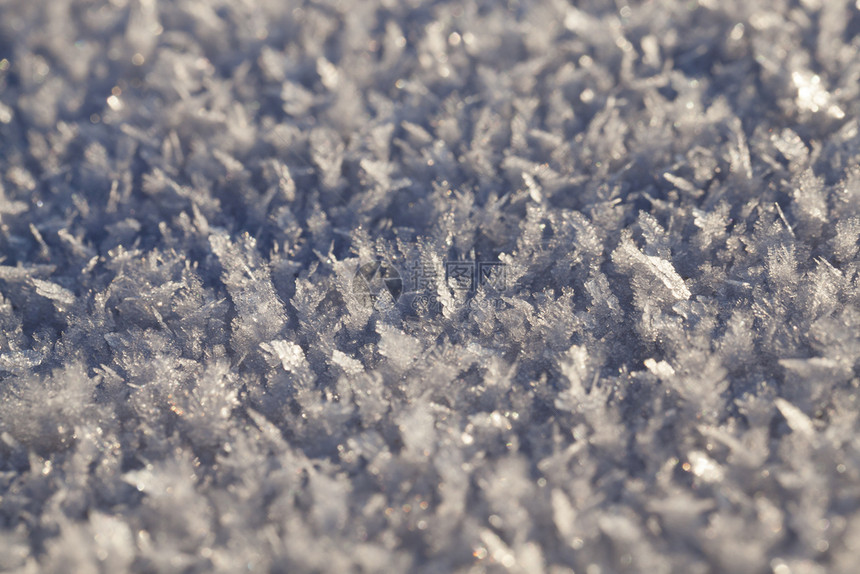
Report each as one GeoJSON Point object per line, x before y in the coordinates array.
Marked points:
{"type": "Point", "coordinates": [227, 341]}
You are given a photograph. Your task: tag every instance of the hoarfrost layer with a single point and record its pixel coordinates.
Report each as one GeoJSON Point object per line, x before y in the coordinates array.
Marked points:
{"type": "Point", "coordinates": [376, 286]}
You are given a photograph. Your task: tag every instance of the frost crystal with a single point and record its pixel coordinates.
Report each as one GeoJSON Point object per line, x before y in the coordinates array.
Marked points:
{"type": "Point", "coordinates": [291, 355]}
{"type": "Point", "coordinates": [461, 286]}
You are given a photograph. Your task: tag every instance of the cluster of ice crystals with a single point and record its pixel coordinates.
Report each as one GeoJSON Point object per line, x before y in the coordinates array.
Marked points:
{"type": "Point", "coordinates": [228, 337]}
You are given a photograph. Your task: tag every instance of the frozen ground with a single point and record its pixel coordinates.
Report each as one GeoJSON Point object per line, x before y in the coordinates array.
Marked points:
{"type": "Point", "coordinates": [429, 286]}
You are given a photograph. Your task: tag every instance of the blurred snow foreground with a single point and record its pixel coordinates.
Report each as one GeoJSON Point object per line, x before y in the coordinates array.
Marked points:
{"type": "Point", "coordinates": [429, 286]}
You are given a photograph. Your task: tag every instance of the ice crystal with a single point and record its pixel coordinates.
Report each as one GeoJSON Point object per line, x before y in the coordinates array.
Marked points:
{"type": "Point", "coordinates": [616, 327]}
